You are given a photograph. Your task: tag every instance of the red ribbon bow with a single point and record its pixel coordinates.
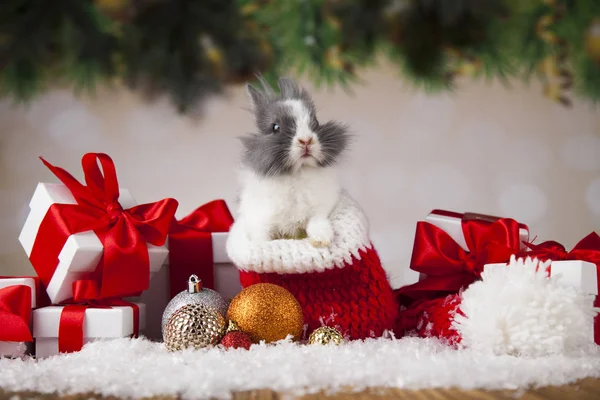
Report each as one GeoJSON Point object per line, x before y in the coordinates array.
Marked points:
{"type": "Point", "coordinates": [15, 314]}
{"type": "Point", "coordinates": [587, 249]}
{"type": "Point", "coordinates": [448, 267]}
{"type": "Point", "coordinates": [190, 244]}
{"type": "Point", "coordinates": [124, 267]}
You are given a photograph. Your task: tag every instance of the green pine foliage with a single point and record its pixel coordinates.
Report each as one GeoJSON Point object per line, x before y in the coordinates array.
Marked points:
{"type": "Point", "coordinates": [167, 47]}
{"type": "Point", "coordinates": [189, 49]}
{"type": "Point", "coordinates": [52, 42]}
{"type": "Point", "coordinates": [586, 68]}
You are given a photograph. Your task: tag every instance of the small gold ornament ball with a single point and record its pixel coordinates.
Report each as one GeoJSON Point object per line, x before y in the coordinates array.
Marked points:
{"type": "Point", "coordinates": [326, 335]}
{"type": "Point", "coordinates": [267, 312]}
{"type": "Point", "coordinates": [194, 325]}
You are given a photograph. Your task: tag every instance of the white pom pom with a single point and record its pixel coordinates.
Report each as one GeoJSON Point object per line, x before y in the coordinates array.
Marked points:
{"type": "Point", "coordinates": [518, 310]}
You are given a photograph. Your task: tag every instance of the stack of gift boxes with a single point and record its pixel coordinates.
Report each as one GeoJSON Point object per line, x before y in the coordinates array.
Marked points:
{"type": "Point", "coordinates": [451, 250]}
{"type": "Point", "coordinates": [96, 252]}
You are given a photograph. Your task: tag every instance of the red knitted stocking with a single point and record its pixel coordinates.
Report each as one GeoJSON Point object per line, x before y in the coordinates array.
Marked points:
{"type": "Point", "coordinates": [356, 299]}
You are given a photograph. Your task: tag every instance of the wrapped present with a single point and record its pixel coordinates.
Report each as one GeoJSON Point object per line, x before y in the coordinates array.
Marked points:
{"type": "Point", "coordinates": [453, 224]}
{"type": "Point", "coordinates": [451, 249]}
{"type": "Point", "coordinates": [65, 329]}
{"type": "Point", "coordinates": [16, 298]}
{"type": "Point", "coordinates": [89, 242]}
{"type": "Point", "coordinates": [196, 247]}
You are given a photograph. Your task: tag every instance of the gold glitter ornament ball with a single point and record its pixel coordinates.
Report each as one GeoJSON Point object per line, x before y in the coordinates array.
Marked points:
{"type": "Point", "coordinates": [194, 325]}
{"type": "Point", "coordinates": [325, 335]}
{"type": "Point", "coordinates": [267, 312]}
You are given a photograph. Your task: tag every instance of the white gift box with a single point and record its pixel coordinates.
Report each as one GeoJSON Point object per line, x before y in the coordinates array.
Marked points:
{"type": "Point", "coordinates": [580, 274]}
{"type": "Point", "coordinates": [156, 298]}
{"type": "Point", "coordinates": [18, 349]}
{"type": "Point", "coordinates": [99, 324]}
{"type": "Point", "coordinates": [451, 223]}
{"type": "Point", "coordinates": [82, 251]}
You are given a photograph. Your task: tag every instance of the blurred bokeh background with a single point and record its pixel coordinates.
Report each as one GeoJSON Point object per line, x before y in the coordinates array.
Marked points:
{"type": "Point", "coordinates": [522, 148]}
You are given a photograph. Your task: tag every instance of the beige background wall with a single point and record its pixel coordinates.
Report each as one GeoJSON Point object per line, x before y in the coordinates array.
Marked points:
{"type": "Point", "coordinates": [484, 149]}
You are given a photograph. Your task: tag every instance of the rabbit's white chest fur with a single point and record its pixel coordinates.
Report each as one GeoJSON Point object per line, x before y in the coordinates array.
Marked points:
{"type": "Point", "coordinates": [282, 205]}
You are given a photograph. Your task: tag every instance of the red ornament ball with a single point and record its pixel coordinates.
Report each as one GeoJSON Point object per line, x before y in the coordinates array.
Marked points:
{"type": "Point", "coordinates": [236, 339]}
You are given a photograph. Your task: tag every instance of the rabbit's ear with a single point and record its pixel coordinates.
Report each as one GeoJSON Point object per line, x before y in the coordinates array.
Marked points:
{"type": "Point", "coordinates": [258, 98]}
{"type": "Point", "coordinates": [266, 86]}
{"type": "Point", "coordinates": [288, 88]}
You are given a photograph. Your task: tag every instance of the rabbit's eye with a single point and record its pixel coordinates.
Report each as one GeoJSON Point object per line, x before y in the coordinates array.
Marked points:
{"type": "Point", "coordinates": [275, 128]}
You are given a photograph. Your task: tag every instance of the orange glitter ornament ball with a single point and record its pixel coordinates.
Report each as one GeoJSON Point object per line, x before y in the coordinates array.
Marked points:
{"type": "Point", "coordinates": [267, 312]}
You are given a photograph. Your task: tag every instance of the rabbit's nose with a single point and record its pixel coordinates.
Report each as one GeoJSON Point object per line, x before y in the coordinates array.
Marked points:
{"type": "Point", "coordinates": [306, 142]}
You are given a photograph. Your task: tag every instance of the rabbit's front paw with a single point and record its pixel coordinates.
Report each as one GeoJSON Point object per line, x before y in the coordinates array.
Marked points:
{"type": "Point", "coordinates": [319, 232]}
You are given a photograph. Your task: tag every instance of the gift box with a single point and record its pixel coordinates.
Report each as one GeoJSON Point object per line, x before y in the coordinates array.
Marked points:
{"type": "Point", "coordinates": [59, 329]}
{"type": "Point", "coordinates": [196, 246]}
{"type": "Point", "coordinates": [580, 274]}
{"type": "Point", "coordinates": [451, 249]}
{"type": "Point", "coordinates": [452, 223]}
{"type": "Point", "coordinates": [90, 242]}
{"type": "Point", "coordinates": [17, 298]}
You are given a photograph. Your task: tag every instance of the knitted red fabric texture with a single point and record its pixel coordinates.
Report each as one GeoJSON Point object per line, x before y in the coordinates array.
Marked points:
{"type": "Point", "coordinates": [356, 299]}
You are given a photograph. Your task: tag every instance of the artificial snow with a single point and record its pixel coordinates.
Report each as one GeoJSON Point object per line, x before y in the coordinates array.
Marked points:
{"type": "Point", "coordinates": [516, 309]}
{"type": "Point", "coordinates": [141, 368]}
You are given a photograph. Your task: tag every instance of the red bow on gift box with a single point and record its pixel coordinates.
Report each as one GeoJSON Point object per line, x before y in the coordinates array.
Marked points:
{"type": "Point", "coordinates": [124, 267]}
{"type": "Point", "coordinates": [15, 314]}
{"type": "Point", "coordinates": [587, 249]}
{"type": "Point", "coordinates": [447, 266]}
{"type": "Point", "coordinates": [190, 244]}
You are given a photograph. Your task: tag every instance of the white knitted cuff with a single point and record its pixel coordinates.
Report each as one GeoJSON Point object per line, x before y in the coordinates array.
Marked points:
{"type": "Point", "coordinates": [299, 256]}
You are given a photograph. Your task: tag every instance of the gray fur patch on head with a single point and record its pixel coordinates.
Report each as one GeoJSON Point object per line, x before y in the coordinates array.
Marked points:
{"type": "Point", "coordinates": [267, 152]}
{"type": "Point", "coordinates": [334, 139]}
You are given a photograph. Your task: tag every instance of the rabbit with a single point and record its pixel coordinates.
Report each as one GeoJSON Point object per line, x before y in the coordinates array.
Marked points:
{"type": "Point", "coordinates": [289, 185]}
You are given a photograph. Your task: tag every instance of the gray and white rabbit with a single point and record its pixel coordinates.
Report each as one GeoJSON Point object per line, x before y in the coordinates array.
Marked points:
{"type": "Point", "coordinates": [289, 185]}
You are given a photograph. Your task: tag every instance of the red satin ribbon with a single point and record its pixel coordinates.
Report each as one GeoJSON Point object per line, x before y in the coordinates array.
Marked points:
{"type": "Point", "coordinates": [41, 297]}
{"type": "Point", "coordinates": [124, 267]}
{"type": "Point", "coordinates": [190, 244]}
{"type": "Point", "coordinates": [15, 314]}
{"type": "Point", "coordinates": [587, 249]}
{"type": "Point", "coordinates": [448, 267]}
{"type": "Point", "coordinates": [72, 319]}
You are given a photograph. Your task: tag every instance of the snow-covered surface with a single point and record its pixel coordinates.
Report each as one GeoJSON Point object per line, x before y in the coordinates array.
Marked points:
{"type": "Point", "coordinates": [140, 368]}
